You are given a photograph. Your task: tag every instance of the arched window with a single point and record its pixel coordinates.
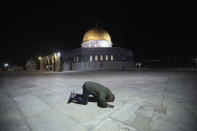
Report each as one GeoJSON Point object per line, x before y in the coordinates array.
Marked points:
{"type": "Point", "coordinates": [96, 58]}
{"type": "Point", "coordinates": [50, 60]}
{"type": "Point", "coordinates": [89, 45]}
{"type": "Point", "coordinates": [46, 62]}
{"type": "Point", "coordinates": [90, 58]}
{"type": "Point", "coordinates": [101, 57]}
{"type": "Point", "coordinates": [112, 57]}
{"type": "Point", "coordinates": [106, 57]}
{"type": "Point", "coordinates": [54, 64]}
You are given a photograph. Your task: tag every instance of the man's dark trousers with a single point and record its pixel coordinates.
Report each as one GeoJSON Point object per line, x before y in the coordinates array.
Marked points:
{"type": "Point", "coordinates": [82, 98]}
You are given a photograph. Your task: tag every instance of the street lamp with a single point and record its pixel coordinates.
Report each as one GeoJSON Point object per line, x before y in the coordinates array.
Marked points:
{"type": "Point", "coordinates": [58, 54]}
{"type": "Point", "coordinates": [6, 65]}
{"type": "Point", "coordinates": [39, 58]}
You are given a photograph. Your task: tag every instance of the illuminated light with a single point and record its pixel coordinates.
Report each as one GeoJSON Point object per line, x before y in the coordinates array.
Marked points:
{"type": "Point", "coordinates": [106, 57]}
{"type": "Point", "coordinates": [96, 58]}
{"type": "Point", "coordinates": [58, 54]}
{"type": "Point", "coordinates": [101, 57]}
{"type": "Point", "coordinates": [39, 58]}
{"type": "Point", "coordinates": [112, 57]}
{"type": "Point", "coordinates": [6, 65]}
{"type": "Point", "coordinates": [90, 58]}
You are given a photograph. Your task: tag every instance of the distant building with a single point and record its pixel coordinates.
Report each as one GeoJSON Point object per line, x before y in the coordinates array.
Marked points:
{"type": "Point", "coordinates": [31, 65]}
{"type": "Point", "coordinates": [15, 68]}
{"type": "Point", "coordinates": [96, 53]}
{"type": "Point", "coordinates": [51, 62]}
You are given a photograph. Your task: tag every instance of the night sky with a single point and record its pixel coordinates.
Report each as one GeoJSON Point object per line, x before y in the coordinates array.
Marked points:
{"type": "Point", "coordinates": [150, 30]}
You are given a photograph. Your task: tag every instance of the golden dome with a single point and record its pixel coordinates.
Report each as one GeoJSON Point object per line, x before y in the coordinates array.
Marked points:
{"type": "Point", "coordinates": [96, 34]}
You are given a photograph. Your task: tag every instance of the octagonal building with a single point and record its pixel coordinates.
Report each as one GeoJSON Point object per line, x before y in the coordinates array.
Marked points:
{"type": "Point", "coordinates": [96, 53]}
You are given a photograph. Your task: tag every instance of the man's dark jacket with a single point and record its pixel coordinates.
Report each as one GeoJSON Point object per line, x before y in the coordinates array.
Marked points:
{"type": "Point", "coordinates": [99, 91]}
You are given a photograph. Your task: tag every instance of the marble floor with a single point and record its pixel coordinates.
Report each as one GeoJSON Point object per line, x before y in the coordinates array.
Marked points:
{"type": "Point", "coordinates": [146, 100]}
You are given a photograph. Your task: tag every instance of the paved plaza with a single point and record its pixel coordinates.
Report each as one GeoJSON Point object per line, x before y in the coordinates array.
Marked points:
{"type": "Point", "coordinates": [146, 100]}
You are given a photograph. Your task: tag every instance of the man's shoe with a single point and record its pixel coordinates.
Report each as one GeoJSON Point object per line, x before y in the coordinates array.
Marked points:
{"type": "Point", "coordinates": [70, 98]}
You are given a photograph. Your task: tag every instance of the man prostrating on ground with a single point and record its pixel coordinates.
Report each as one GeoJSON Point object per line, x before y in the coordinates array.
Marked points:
{"type": "Point", "coordinates": [101, 94]}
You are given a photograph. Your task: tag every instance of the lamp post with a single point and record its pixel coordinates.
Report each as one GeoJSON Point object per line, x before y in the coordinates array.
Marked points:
{"type": "Point", "coordinates": [40, 58]}
{"type": "Point", "coordinates": [58, 63]}
{"type": "Point", "coordinates": [6, 65]}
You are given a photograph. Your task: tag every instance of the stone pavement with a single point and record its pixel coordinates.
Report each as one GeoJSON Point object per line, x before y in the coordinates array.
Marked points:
{"type": "Point", "coordinates": [146, 100]}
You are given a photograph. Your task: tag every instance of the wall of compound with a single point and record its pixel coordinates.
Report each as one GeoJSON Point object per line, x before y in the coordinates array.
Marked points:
{"type": "Point", "coordinates": [104, 65]}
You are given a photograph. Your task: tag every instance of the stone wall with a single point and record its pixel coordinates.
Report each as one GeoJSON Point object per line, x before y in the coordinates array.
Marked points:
{"type": "Point", "coordinates": [104, 65]}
